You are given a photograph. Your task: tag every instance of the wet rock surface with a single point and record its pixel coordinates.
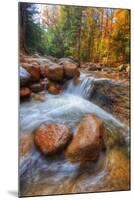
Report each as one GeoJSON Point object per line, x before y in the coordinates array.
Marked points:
{"type": "Point", "coordinates": [37, 87]}
{"type": "Point", "coordinates": [114, 97]}
{"type": "Point", "coordinates": [54, 88]}
{"type": "Point", "coordinates": [26, 144]}
{"type": "Point", "coordinates": [92, 66]}
{"type": "Point", "coordinates": [35, 73]}
{"type": "Point", "coordinates": [25, 93]}
{"type": "Point", "coordinates": [38, 97]}
{"type": "Point", "coordinates": [87, 141]}
{"type": "Point", "coordinates": [54, 72]}
{"type": "Point", "coordinates": [116, 177]}
{"type": "Point", "coordinates": [51, 138]}
{"type": "Point", "coordinates": [70, 68]}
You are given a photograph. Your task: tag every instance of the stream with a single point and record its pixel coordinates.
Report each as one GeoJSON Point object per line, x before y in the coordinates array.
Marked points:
{"type": "Point", "coordinates": [42, 175]}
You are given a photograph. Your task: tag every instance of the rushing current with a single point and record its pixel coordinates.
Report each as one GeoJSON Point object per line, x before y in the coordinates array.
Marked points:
{"type": "Point", "coordinates": [56, 175]}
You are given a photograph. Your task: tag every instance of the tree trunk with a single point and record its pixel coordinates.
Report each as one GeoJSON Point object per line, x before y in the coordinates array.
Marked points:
{"type": "Point", "coordinates": [79, 36]}
{"type": "Point", "coordinates": [109, 36]}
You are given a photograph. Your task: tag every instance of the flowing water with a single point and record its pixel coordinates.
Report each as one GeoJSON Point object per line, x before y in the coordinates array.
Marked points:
{"type": "Point", "coordinates": [83, 89]}
{"type": "Point", "coordinates": [40, 175]}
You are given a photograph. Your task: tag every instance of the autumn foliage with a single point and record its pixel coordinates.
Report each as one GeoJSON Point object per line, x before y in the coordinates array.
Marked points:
{"type": "Point", "coordinates": [86, 34]}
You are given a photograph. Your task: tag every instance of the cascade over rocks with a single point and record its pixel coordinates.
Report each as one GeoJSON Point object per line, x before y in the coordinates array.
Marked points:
{"type": "Point", "coordinates": [87, 141]}
{"type": "Point", "coordinates": [51, 138]}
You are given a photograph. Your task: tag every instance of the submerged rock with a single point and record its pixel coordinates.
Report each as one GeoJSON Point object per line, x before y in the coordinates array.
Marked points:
{"type": "Point", "coordinates": [51, 138]}
{"type": "Point", "coordinates": [26, 143]}
{"type": "Point", "coordinates": [38, 97]}
{"type": "Point", "coordinates": [87, 141]}
{"type": "Point", "coordinates": [25, 92]}
{"type": "Point", "coordinates": [115, 175]}
{"type": "Point", "coordinates": [54, 72]}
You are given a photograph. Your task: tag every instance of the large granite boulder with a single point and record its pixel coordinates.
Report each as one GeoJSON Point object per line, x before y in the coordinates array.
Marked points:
{"type": "Point", "coordinates": [70, 68]}
{"type": "Point", "coordinates": [113, 97]}
{"type": "Point", "coordinates": [54, 72]}
{"type": "Point", "coordinates": [87, 141]}
{"type": "Point", "coordinates": [51, 138]}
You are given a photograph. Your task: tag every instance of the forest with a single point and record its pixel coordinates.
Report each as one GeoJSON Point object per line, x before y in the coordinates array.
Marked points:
{"type": "Point", "coordinates": [82, 33]}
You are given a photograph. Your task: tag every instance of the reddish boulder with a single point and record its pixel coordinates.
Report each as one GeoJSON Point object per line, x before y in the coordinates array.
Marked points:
{"type": "Point", "coordinates": [25, 92]}
{"type": "Point", "coordinates": [37, 87]}
{"type": "Point", "coordinates": [87, 141]}
{"type": "Point", "coordinates": [51, 138]}
{"type": "Point", "coordinates": [54, 88]}
{"type": "Point", "coordinates": [54, 72]}
{"type": "Point", "coordinates": [70, 68]}
{"type": "Point", "coordinates": [35, 73]}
